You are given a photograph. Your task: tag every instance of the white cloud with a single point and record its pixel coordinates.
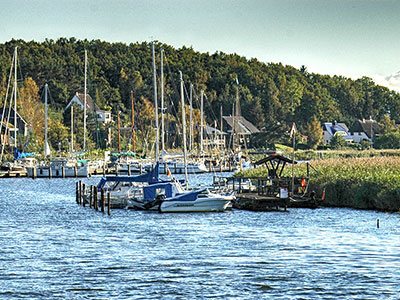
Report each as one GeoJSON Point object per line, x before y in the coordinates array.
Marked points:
{"type": "Point", "coordinates": [392, 81]}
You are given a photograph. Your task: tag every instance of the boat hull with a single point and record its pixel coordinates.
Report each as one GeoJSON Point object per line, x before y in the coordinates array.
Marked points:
{"type": "Point", "coordinates": [216, 204]}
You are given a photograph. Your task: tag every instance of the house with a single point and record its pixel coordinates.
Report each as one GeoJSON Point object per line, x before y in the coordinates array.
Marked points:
{"type": "Point", "coordinates": [369, 127]}
{"type": "Point", "coordinates": [22, 125]}
{"type": "Point", "coordinates": [241, 127]}
{"type": "Point", "coordinates": [214, 138]}
{"type": "Point", "coordinates": [103, 116]}
{"type": "Point", "coordinates": [333, 129]}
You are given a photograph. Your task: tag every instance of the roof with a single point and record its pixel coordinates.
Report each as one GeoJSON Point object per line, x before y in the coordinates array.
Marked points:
{"type": "Point", "coordinates": [275, 157]}
{"type": "Point", "coordinates": [79, 98]}
{"type": "Point", "coordinates": [332, 128]}
{"type": "Point", "coordinates": [242, 126]}
{"type": "Point", "coordinates": [370, 127]}
{"type": "Point", "coordinates": [212, 130]}
{"type": "Point", "coordinates": [19, 118]}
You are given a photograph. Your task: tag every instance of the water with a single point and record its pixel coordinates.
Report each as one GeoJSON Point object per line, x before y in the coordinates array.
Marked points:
{"type": "Point", "coordinates": [51, 248]}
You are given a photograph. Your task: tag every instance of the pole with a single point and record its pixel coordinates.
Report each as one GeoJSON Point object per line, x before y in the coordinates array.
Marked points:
{"type": "Point", "coordinates": [201, 121]}
{"type": "Point", "coordinates": [84, 105]}
{"type": "Point", "coordinates": [184, 130]}
{"type": "Point", "coordinates": [294, 144]}
{"type": "Point", "coordinates": [221, 125]}
{"type": "Point", "coordinates": [162, 102]}
{"type": "Point", "coordinates": [133, 123]}
{"type": "Point", "coordinates": [15, 99]}
{"type": "Point", "coordinates": [191, 117]}
{"type": "Point", "coordinates": [119, 130]}
{"type": "Point", "coordinates": [72, 128]}
{"type": "Point", "coordinates": [45, 119]}
{"type": "Point", "coordinates": [155, 104]}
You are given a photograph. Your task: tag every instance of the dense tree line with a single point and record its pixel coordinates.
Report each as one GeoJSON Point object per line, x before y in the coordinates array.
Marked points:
{"type": "Point", "coordinates": [272, 95]}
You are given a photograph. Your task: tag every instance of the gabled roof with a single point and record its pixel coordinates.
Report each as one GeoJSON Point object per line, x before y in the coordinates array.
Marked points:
{"type": "Point", "coordinates": [242, 126]}
{"type": "Point", "coordinates": [275, 157]}
{"type": "Point", "coordinates": [212, 130]}
{"type": "Point", "coordinates": [19, 118]}
{"type": "Point", "coordinates": [332, 128]}
{"type": "Point", "coordinates": [79, 98]}
{"type": "Point", "coordinates": [370, 127]}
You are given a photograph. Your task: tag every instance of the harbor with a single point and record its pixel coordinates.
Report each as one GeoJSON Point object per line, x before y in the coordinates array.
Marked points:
{"type": "Point", "coordinates": [74, 251]}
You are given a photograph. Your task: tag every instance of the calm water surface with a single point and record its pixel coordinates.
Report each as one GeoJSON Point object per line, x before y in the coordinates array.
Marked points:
{"type": "Point", "coordinates": [51, 248]}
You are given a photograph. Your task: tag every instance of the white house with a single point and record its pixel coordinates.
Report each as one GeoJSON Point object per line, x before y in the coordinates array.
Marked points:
{"type": "Point", "coordinates": [103, 116]}
{"type": "Point", "coordinates": [334, 129]}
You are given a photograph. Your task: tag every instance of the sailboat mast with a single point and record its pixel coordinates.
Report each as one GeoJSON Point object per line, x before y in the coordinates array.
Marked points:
{"type": "Point", "coordinates": [15, 99]}
{"type": "Point", "coordinates": [45, 119]}
{"type": "Point", "coordinates": [221, 125]}
{"type": "Point", "coordinates": [133, 122]}
{"type": "Point", "coordinates": [84, 105]}
{"type": "Point", "coordinates": [184, 129]}
{"type": "Point", "coordinates": [201, 120]}
{"type": "Point", "coordinates": [162, 101]}
{"type": "Point", "coordinates": [191, 118]}
{"type": "Point", "coordinates": [155, 104]}
{"type": "Point", "coordinates": [119, 130]}
{"type": "Point", "coordinates": [72, 128]}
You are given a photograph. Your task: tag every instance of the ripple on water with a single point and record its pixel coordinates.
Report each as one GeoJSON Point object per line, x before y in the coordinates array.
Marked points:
{"type": "Point", "coordinates": [50, 248]}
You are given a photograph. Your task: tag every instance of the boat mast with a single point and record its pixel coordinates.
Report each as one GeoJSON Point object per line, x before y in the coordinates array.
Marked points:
{"type": "Point", "coordinates": [15, 99]}
{"type": "Point", "coordinates": [72, 129]}
{"type": "Point", "coordinates": [45, 120]}
{"type": "Point", "coordinates": [201, 120]}
{"type": "Point", "coordinates": [162, 101]}
{"type": "Point", "coordinates": [119, 130]}
{"type": "Point", "coordinates": [184, 129]}
{"type": "Point", "coordinates": [222, 135]}
{"type": "Point", "coordinates": [155, 104]}
{"type": "Point", "coordinates": [191, 117]}
{"type": "Point", "coordinates": [133, 123]}
{"type": "Point", "coordinates": [84, 105]}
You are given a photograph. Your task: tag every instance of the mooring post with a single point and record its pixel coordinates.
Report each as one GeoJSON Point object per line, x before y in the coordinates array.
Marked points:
{"type": "Point", "coordinates": [96, 204]}
{"type": "Point", "coordinates": [109, 203]}
{"type": "Point", "coordinates": [377, 223]}
{"type": "Point", "coordinates": [103, 200]}
{"type": "Point", "coordinates": [83, 194]}
{"type": "Point", "coordinates": [80, 192]}
{"type": "Point", "coordinates": [75, 171]}
{"type": "Point", "coordinates": [63, 172]}
{"type": "Point", "coordinates": [90, 196]}
{"type": "Point", "coordinates": [50, 175]}
{"type": "Point", "coordinates": [77, 192]}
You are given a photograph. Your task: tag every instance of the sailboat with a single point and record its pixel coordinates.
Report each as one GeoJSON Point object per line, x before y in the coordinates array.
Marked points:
{"type": "Point", "coordinates": [200, 200]}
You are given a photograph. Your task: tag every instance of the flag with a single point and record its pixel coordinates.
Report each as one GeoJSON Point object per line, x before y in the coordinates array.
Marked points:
{"type": "Point", "coordinates": [293, 130]}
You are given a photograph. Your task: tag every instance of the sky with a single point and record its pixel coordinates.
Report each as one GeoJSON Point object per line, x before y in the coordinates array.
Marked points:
{"type": "Point", "coordinates": [352, 38]}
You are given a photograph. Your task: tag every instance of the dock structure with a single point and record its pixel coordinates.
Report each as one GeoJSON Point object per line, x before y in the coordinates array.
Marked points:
{"type": "Point", "coordinates": [275, 192]}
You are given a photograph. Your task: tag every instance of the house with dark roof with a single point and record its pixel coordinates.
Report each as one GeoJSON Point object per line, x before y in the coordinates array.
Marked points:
{"type": "Point", "coordinates": [369, 127]}
{"type": "Point", "coordinates": [22, 125]}
{"type": "Point", "coordinates": [103, 116]}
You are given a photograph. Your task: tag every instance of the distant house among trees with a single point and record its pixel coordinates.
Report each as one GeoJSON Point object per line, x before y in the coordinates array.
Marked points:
{"type": "Point", "coordinates": [242, 128]}
{"type": "Point", "coordinates": [364, 130]}
{"type": "Point", "coordinates": [103, 116]}
{"type": "Point", "coordinates": [22, 125]}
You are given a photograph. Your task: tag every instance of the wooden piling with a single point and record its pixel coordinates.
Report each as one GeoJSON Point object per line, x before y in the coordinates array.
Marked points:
{"type": "Point", "coordinates": [75, 171]}
{"type": "Point", "coordinates": [129, 169]}
{"type": "Point", "coordinates": [95, 204]}
{"type": "Point", "coordinates": [50, 172]}
{"type": "Point", "coordinates": [102, 200]}
{"type": "Point", "coordinates": [108, 203]}
{"type": "Point", "coordinates": [77, 192]}
{"type": "Point", "coordinates": [83, 194]}
{"type": "Point", "coordinates": [91, 196]}
{"type": "Point", "coordinates": [377, 223]}
{"type": "Point", "coordinates": [63, 172]}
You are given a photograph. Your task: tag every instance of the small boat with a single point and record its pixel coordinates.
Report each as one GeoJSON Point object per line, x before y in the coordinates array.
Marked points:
{"type": "Point", "coordinates": [196, 201]}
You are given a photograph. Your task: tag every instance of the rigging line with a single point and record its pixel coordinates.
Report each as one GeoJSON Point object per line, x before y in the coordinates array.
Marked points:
{"type": "Point", "coordinates": [6, 96]}
{"type": "Point", "coordinates": [8, 118]}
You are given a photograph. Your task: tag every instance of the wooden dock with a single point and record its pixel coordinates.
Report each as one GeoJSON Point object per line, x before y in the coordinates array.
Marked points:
{"type": "Point", "coordinates": [257, 202]}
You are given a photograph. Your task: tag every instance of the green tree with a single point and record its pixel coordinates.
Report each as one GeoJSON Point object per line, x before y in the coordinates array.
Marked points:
{"type": "Point", "coordinates": [337, 142]}
{"type": "Point", "coordinates": [314, 133]}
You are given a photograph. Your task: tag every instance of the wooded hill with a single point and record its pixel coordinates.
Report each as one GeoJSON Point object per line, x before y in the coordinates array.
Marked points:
{"type": "Point", "coordinates": [272, 95]}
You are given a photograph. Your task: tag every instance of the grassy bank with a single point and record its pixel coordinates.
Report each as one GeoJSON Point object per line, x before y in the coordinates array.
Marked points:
{"type": "Point", "coordinates": [364, 183]}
